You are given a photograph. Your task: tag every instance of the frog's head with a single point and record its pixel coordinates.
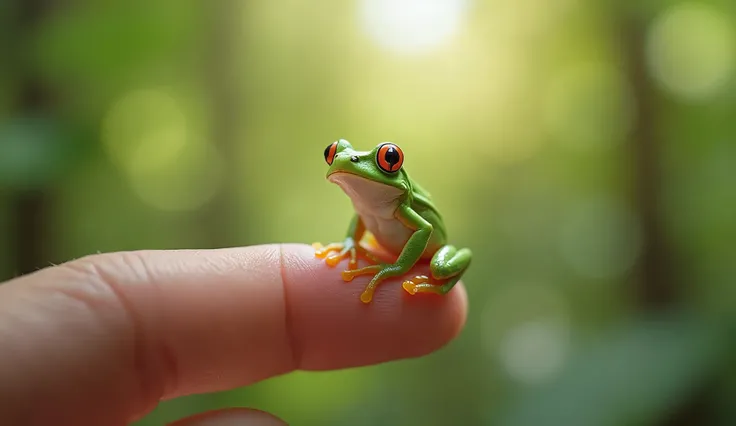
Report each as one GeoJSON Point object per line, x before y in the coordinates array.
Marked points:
{"type": "Point", "coordinates": [382, 164]}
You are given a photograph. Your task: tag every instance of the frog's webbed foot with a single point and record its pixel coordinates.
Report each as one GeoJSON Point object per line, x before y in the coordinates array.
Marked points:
{"type": "Point", "coordinates": [425, 284]}
{"type": "Point", "coordinates": [447, 266]}
{"type": "Point", "coordinates": [334, 253]}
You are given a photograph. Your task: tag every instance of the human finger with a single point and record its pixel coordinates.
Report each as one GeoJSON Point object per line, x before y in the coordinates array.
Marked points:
{"type": "Point", "coordinates": [109, 336]}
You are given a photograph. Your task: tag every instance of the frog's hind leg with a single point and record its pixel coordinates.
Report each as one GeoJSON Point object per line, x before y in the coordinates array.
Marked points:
{"type": "Point", "coordinates": [446, 267]}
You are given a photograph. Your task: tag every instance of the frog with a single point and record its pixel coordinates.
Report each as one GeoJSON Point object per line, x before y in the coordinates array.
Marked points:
{"type": "Point", "coordinates": [393, 214]}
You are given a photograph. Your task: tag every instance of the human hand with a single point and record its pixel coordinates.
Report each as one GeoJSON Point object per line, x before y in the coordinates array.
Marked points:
{"type": "Point", "coordinates": [103, 339]}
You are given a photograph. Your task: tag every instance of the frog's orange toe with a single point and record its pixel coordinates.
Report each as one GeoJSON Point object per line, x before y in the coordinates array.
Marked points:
{"type": "Point", "coordinates": [410, 287]}
{"type": "Point", "coordinates": [333, 260]}
{"type": "Point", "coordinates": [420, 283]}
{"type": "Point", "coordinates": [347, 276]}
{"type": "Point", "coordinates": [367, 270]}
{"type": "Point", "coordinates": [366, 296]}
{"type": "Point", "coordinates": [322, 252]}
{"type": "Point", "coordinates": [332, 253]}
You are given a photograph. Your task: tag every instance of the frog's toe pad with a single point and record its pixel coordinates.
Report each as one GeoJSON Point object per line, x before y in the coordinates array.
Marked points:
{"type": "Point", "coordinates": [366, 296]}
{"type": "Point", "coordinates": [348, 275]}
{"type": "Point", "coordinates": [422, 284]}
{"type": "Point", "coordinates": [322, 252]}
{"type": "Point", "coordinates": [334, 259]}
{"type": "Point", "coordinates": [415, 283]}
{"type": "Point", "coordinates": [410, 287]}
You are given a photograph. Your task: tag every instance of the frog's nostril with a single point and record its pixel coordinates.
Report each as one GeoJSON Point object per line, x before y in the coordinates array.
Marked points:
{"type": "Point", "coordinates": [354, 159]}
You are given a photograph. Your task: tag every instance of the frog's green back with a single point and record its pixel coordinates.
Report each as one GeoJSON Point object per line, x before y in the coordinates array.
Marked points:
{"type": "Point", "coordinates": [422, 203]}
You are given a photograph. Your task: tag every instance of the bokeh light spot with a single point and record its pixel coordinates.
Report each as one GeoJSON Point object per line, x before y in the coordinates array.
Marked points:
{"type": "Point", "coordinates": [409, 26]}
{"type": "Point", "coordinates": [691, 50]}
{"type": "Point", "coordinates": [534, 352]}
{"type": "Point", "coordinates": [526, 327]}
{"type": "Point", "coordinates": [589, 106]}
{"type": "Point", "coordinates": [600, 238]}
{"type": "Point", "coordinates": [145, 125]}
{"type": "Point", "coordinates": [147, 133]}
{"type": "Point", "coordinates": [184, 186]}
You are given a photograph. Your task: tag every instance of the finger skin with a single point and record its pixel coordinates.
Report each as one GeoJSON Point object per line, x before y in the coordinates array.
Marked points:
{"type": "Point", "coordinates": [103, 339]}
{"type": "Point", "coordinates": [231, 416]}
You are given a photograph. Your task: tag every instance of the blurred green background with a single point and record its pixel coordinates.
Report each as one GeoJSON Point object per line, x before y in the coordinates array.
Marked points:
{"type": "Point", "coordinates": [584, 150]}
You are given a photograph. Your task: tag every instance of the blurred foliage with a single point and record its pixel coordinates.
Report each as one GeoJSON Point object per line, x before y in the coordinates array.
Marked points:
{"type": "Point", "coordinates": [522, 118]}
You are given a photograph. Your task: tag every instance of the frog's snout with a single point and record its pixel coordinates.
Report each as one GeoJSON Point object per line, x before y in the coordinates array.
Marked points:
{"type": "Point", "coordinates": [354, 158]}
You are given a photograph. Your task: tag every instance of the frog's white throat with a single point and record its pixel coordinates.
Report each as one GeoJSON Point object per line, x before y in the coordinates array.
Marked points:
{"type": "Point", "coordinates": [370, 198]}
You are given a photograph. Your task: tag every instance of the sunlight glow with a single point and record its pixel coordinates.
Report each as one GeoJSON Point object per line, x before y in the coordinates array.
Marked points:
{"type": "Point", "coordinates": [412, 26]}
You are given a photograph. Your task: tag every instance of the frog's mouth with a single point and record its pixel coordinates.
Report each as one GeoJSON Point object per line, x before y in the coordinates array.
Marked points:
{"type": "Point", "coordinates": [365, 192]}
{"type": "Point", "coordinates": [341, 175]}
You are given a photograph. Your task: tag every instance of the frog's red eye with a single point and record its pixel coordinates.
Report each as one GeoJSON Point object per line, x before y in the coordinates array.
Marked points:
{"type": "Point", "coordinates": [330, 152]}
{"type": "Point", "coordinates": [389, 157]}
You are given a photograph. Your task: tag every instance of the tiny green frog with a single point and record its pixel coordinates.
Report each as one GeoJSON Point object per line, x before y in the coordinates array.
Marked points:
{"type": "Point", "coordinates": [392, 213]}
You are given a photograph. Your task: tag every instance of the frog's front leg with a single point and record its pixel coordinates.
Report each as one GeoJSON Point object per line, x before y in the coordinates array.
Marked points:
{"type": "Point", "coordinates": [446, 267]}
{"type": "Point", "coordinates": [350, 248]}
{"type": "Point", "coordinates": [409, 256]}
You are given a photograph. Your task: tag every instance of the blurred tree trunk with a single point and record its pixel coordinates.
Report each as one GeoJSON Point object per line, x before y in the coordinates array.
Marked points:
{"type": "Point", "coordinates": [655, 287]}
{"type": "Point", "coordinates": [221, 84]}
{"type": "Point", "coordinates": [31, 207]}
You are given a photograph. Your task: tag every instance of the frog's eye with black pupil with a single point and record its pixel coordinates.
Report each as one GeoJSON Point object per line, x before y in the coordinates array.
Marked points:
{"type": "Point", "coordinates": [389, 157]}
{"type": "Point", "coordinates": [330, 153]}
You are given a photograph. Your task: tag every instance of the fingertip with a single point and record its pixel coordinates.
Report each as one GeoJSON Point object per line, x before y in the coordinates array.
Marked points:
{"type": "Point", "coordinates": [332, 328]}
{"type": "Point", "coordinates": [461, 305]}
